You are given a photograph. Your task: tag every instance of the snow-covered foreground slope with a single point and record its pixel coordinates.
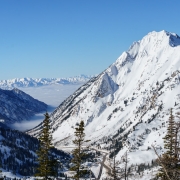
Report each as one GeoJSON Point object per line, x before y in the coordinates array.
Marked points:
{"type": "Point", "coordinates": [36, 82]}
{"type": "Point", "coordinates": [126, 106]}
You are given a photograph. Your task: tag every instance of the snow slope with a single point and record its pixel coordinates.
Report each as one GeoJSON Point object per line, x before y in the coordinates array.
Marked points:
{"type": "Point", "coordinates": [15, 106]}
{"type": "Point", "coordinates": [126, 107]}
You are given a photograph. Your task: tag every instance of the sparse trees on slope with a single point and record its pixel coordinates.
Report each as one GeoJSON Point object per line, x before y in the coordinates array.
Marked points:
{"type": "Point", "coordinates": [78, 153]}
{"type": "Point", "coordinates": [125, 161]}
{"type": "Point", "coordinates": [118, 173]}
{"type": "Point", "coordinates": [114, 174]}
{"type": "Point", "coordinates": [169, 161]}
{"type": "Point", "coordinates": [46, 162]}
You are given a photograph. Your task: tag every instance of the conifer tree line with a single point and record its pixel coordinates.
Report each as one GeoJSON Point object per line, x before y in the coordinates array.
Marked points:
{"type": "Point", "coordinates": [18, 152]}
{"type": "Point", "coordinates": [20, 147]}
{"type": "Point", "coordinates": [48, 162]}
{"type": "Point", "coordinates": [169, 161]}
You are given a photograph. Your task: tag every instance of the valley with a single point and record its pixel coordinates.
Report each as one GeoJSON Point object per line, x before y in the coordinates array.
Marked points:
{"type": "Point", "coordinates": [89, 90]}
{"type": "Point", "coordinates": [52, 95]}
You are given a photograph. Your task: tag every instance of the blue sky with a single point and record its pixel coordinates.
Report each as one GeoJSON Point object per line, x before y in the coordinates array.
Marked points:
{"type": "Point", "coordinates": [63, 38]}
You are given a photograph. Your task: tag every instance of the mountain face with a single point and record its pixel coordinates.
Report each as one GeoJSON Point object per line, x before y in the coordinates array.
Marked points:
{"type": "Point", "coordinates": [15, 106]}
{"type": "Point", "coordinates": [126, 107]}
{"type": "Point", "coordinates": [31, 82]}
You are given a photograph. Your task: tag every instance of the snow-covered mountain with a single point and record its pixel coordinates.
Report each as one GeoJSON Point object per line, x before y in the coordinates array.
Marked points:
{"type": "Point", "coordinates": [32, 82]}
{"type": "Point", "coordinates": [126, 107]}
{"type": "Point", "coordinates": [15, 106]}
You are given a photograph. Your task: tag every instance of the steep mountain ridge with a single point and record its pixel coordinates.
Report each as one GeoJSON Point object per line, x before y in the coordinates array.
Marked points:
{"type": "Point", "coordinates": [15, 106]}
{"type": "Point", "coordinates": [126, 107]}
{"type": "Point", "coordinates": [35, 82]}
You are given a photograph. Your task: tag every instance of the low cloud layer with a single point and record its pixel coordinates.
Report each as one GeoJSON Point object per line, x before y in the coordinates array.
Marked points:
{"type": "Point", "coordinates": [52, 95]}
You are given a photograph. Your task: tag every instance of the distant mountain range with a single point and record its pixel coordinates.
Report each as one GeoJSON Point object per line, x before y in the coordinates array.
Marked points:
{"type": "Point", "coordinates": [126, 107]}
{"type": "Point", "coordinates": [34, 82]}
{"type": "Point", "coordinates": [15, 106]}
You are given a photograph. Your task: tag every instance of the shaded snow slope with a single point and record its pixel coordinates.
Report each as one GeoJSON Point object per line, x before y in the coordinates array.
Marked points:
{"type": "Point", "coordinates": [15, 106]}
{"type": "Point", "coordinates": [18, 153]}
{"type": "Point", "coordinates": [126, 107]}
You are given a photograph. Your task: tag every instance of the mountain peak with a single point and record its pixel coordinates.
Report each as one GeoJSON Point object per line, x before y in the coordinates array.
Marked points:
{"type": "Point", "coordinates": [126, 107]}
{"type": "Point", "coordinates": [164, 36]}
{"type": "Point", "coordinates": [154, 41]}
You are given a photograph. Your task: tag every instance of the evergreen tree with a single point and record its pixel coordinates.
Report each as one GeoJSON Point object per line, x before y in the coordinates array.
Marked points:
{"type": "Point", "coordinates": [125, 161]}
{"type": "Point", "coordinates": [54, 164]}
{"type": "Point", "coordinates": [122, 172]}
{"type": "Point", "coordinates": [46, 162]}
{"type": "Point", "coordinates": [79, 155]}
{"type": "Point", "coordinates": [1, 176]}
{"type": "Point", "coordinates": [169, 161]}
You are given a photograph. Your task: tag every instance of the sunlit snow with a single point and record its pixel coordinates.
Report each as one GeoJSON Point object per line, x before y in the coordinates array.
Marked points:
{"type": "Point", "coordinates": [133, 94]}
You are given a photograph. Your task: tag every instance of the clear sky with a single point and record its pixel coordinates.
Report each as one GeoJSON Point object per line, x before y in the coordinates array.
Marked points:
{"type": "Point", "coordinates": [64, 38]}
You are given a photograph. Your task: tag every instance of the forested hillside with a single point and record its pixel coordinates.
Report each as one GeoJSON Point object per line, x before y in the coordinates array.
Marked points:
{"type": "Point", "coordinates": [15, 106]}
{"type": "Point", "coordinates": [18, 152]}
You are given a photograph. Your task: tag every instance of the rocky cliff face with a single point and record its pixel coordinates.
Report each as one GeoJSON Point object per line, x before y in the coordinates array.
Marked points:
{"type": "Point", "coordinates": [126, 107]}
